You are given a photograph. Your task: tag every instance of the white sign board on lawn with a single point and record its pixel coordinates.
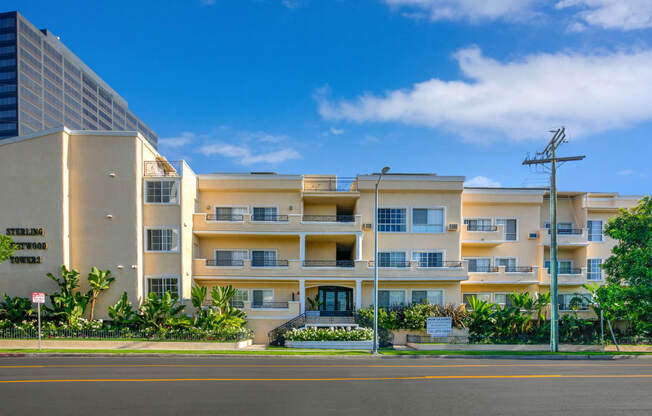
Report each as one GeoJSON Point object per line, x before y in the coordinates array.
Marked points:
{"type": "Point", "coordinates": [439, 327]}
{"type": "Point", "coordinates": [38, 297]}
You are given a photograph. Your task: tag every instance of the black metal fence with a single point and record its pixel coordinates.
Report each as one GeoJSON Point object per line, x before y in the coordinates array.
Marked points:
{"type": "Point", "coordinates": [225, 217]}
{"type": "Point", "coordinates": [269, 218]}
{"type": "Point", "coordinates": [329, 263]}
{"type": "Point", "coordinates": [269, 263]}
{"type": "Point", "coordinates": [269, 305]}
{"type": "Point", "coordinates": [329, 218]}
{"type": "Point", "coordinates": [225, 263]}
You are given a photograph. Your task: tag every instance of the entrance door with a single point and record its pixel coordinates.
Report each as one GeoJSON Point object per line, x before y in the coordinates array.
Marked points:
{"type": "Point", "coordinates": [335, 301]}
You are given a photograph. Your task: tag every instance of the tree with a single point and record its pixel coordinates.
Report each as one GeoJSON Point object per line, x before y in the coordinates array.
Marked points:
{"type": "Point", "coordinates": [6, 247]}
{"type": "Point", "coordinates": [122, 313]}
{"type": "Point", "coordinates": [629, 268]}
{"type": "Point", "coordinates": [158, 312]}
{"type": "Point", "coordinates": [68, 304]}
{"type": "Point", "coordinates": [99, 281]}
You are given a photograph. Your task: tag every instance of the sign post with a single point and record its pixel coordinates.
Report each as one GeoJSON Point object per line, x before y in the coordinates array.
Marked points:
{"type": "Point", "coordinates": [38, 298]}
{"type": "Point", "coordinates": [439, 327]}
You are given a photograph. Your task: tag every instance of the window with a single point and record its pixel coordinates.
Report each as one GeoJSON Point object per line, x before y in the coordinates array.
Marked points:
{"type": "Point", "coordinates": [265, 214]}
{"type": "Point", "coordinates": [161, 285]}
{"type": "Point", "coordinates": [391, 259]}
{"type": "Point", "coordinates": [479, 265]}
{"type": "Point", "coordinates": [594, 271]}
{"type": "Point", "coordinates": [565, 266]}
{"type": "Point", "coordinates": [263, 258]}
{"type": "Point", "coordinates": [508, 262]}
{"type": "Point", "coordinates": [509, 227]}
{"type": "Point", "coordinates": [573, 301]}
{"type": "Point", "coordinates": [565, 228]}
{"type": "Point", "coordinates": [427, 220]}
{"type": "Point", "coordinates": [478, 224]}
{"type": "Point", "coordinates": [392, 220]}
{"type": "Point", "coordinates": [230, 257]}
{"type": "Point", "coordinates": [161, 192]}
{"type": "Point", "coordinates": [429, 258]}
{"type": "Point", "coordinates": [390, 298]}
{"type": "Point", "coordinates": [433, 297]}
{"type": "Point", "coordinates": [263, 298]}
{"type": "Point", "coordinates": [241, 296]}
{"type": "Point", "coordinates": [162, 239]}
{"type": "Point", "coordinates": [503, 299]}
{"type": "Point", "coordinates": [595, 230]}
{"type": "Point", "coordinates": [466, 298]}
{"type": "Point", "coordinates": [230, 213]}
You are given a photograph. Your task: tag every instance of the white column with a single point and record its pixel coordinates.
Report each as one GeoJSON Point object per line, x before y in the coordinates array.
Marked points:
{"type": "Point", "coordinates": [302, 296]}
{"type": "Point", "coordinates": [358, 247]}
{"type": "Point", "coordinates": [358, 294]}
{"type": "Point", "coordinates": [302, 247]}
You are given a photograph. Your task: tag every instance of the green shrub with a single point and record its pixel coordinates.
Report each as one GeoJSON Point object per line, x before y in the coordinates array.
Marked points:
{"type": "Point", "coordinates": [329, 334]}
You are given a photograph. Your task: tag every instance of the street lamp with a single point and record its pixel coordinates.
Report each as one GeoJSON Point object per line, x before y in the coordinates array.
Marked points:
{"type": "Point", "coordinates": [380, 176]}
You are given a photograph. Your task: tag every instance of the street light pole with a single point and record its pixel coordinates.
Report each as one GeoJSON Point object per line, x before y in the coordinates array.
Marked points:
{"type": "Point", "coordinates": [375, 343]}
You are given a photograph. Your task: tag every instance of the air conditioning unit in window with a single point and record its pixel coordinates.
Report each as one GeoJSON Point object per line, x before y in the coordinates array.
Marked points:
{"type": "Point", "coordinates": [452, 227]}
{"type": "Point", "coordinates": [532, 236]}
{"type": "Point", "coordinates": [367, 226]}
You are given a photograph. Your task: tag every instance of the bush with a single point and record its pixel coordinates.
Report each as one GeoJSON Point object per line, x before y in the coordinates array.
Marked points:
{"type": "Point", "coordinates": [330, 334]}
{"type": "Point", "coordinates": [413, 316]}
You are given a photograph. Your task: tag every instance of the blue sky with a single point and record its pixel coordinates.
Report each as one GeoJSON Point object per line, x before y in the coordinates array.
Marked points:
{"type": "Point", "coordinates": [455, 87]}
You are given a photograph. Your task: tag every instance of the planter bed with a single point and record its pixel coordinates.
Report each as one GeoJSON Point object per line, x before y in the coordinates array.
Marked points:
{"type": "Point", "coordinates": [125, 344]}
{"type": "Point", "coordinates": [339, 345]}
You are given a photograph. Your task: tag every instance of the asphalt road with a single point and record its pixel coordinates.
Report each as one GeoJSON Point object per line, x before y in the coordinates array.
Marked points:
{"type": "Point", "coordinates": [322, 386]}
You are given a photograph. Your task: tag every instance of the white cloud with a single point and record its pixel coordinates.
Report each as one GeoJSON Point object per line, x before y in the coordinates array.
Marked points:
{"type": "Point", "coordinates": [519, 99]}
{"type": "Point", "coordinates": [482, 182]}
{"type": "Point", "coordinates": [245, 156]}
{"type": "Point", "coordinates": [625, 172]}
{"type": "Point", "coordinates": [248, 148]}
{"type": "Point", "coordinates": [465, 9]}
{"type": "Point", "coordinates": [612, 14]}
{"type": "Point", "coordinates": [292, 4]}
{"type": "Point", "coordinates": [183, 139]}
{"type": "Point", "coordinates": [207, 2]}
{"type": "Point", "coordinates": [336, 132]}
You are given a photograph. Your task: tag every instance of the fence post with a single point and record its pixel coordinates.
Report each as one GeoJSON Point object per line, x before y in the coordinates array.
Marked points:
{"type": "Point", "coordinates": [602, 329]}
{"type": "Point", "coordinates": [38, 308]}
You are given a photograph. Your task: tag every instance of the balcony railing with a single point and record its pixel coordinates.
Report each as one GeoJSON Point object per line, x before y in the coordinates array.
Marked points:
{"type": "Point", "coordinates": [329, 263]}
{"type": "Point", "coordinates": [440, 264]}
{"type": "Point", "coordinates": [483, 269]}
{"type": "Point", "coordinates": [568, 231]}
{"type": "Point", "coordinates": [395, 264]}
{"type": "Point", "coordinates": [518, 269]}
{"type": "Point", "coordinates": [329, 218]}
{"type": "Point", "coordinates": [269, 218]}
{"type": "Point", "coordinates": [162, 168]}
{"type": "Point", "coordinates": [481, 227]}
{"type": "Point", "coordinates": [225, 263]}
{"type": "Point", "coordinates": [330, 184]}
{"type": "Point", "coordinates": [223, 217]}
{"type": "Point", "coordinates": [269, 305]}
{"type": "Point", "coordinates": [269, 263]}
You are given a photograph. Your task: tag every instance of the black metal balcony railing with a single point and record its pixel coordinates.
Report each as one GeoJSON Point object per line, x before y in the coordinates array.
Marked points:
{"type": "Point", "coordinates": [572, 270]}
{"type": "Point", "coordinates": [222, 217]}
{"type": "Point", "coordinates": [269, 263]}
{"type": "Point", "coordinates": [481, 227]}
{"type": "Point", "coordinates": [329, 263]}
{"type": "Point", "coordinates": [440, 264]}
{"type": "Point", "coordinates": [483, 269]}
{"type": "Point", "coordinates": [225, 263]}
{"type": "Point", "coordinates": [397, 264]}
{"type": "Point", "coordinates": [269, 305]}
{"type": "Point", "coordinates": [269, 218]}
{"type": "Point", "coordinates": [568, 231]}
{"type": "Point", "coordinates": [162, 168]}
{"type": "Point", "coordinates": [518, 269]}
{"type": "Point", "coordinates": [329, 218]}
{"type": "Point", "coordinates": [330, 184]}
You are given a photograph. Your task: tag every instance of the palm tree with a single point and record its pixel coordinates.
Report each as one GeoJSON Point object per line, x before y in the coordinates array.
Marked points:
{"type": "Point", "coordinates": [99, 281]}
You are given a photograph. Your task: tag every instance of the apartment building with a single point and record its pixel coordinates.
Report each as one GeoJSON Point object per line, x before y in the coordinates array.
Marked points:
{"type": "Point", "coordinates": [109, 199]}
{"type": "Point", "coordinates": [44, 85]}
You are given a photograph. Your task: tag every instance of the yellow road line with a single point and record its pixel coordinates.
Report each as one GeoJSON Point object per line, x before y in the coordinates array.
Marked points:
{"type": "Point", "coordinates": [560, 364]}
{"type": "Point", "coordinates": [456, 377]}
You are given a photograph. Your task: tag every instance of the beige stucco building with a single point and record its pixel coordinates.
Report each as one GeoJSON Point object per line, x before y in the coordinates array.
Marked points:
{"type": "Point", "coordinates": [109, 199]}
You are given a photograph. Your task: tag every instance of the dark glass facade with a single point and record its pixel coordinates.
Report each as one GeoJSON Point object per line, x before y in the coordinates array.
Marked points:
{"type": "Point", "coordinates": [43, 85]}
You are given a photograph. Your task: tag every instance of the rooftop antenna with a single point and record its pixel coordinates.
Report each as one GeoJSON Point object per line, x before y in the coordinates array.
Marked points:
{"type": "Point", "coordinates": [549, 155]}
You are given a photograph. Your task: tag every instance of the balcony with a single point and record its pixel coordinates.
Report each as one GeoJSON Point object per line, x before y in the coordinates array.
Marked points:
{"type": "Point", "coordinates": [329, 183]}
{"type": "Point", "coordinates": [482, 235]}
{"type": "Point", "coordinates": [504, 275]}
{"type": "Point", "coordinates": [566, 276]}
{"type": "Point", "coordinates": [566, 237]}
{"type": "Point", "coordinates": [208, 223]}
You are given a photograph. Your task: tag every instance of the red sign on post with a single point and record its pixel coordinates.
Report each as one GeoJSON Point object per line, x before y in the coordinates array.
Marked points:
{"type": "Point", "coordinates": [38, 297]}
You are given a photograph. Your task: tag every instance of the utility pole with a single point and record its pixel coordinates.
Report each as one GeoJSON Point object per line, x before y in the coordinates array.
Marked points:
{"type": "Point", "coordinates": [549, 155]}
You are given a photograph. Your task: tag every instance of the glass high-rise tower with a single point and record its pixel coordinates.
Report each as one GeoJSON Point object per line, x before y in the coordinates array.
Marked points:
{"type": "Point", "coordinates": [43, 85]}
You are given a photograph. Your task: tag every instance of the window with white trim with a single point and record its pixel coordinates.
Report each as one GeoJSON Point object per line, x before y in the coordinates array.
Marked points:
{"type": "Point", "coordinates": [263, 258]}
{"type": "Point", "coordinates": [161, 191]}
{"type": "Point", "coordinates": [428, 258]}
{"type": "Point", "coordinates": [163, 284]}
{"type": "Point", "coordinates": [503, 299]}
{"type": "Point", "coordinates": [231, 257]}
{"type": "Point", "coordinates": [573, 301]}
{"type": "Point", "coordinates": [392, 259]}
{"type": "Point", "coordinates": [594, 228]}
{"type": "Point", "coordinates": [263, 298]}
{"type": "Point", "coordinates": [392, 220]}
{"type": "Point", "coordinates": [241, 296]}
{"type": "Point", "coordinates": [466, 298]}
{"type": "Point", "coordinates": [510, 227]}
{"type": "Point", "coordinates": [479, 265]}
{"type": "Point", "coordinates": [478, 224]}
{"type": "Point", "coordinates": [162, 239]}
{"type": "Point", "coordinates": [390, 298]}
{"type": "Point", "coordinates": [427, 220]}
{"type": "Point", "coordinates": [593, 269]}
{"type": "Point", "coordinates": [508, 262]}
{"type": "Point", "coordinates": [432, 297]}
{"type": "Point", "coordinates": [231, 213]}
{"type": "Point", "coordinates": [565, 266]}
{"type": "Point", "coordinates": [265, 214]}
